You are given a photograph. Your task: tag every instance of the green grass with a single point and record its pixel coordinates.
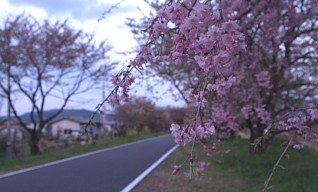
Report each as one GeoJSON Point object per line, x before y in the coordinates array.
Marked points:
{"type": "Point", "coordinates": [299, 172]}
{"type": "Point", "coordinates": [238, 170]}
{"type": "Point", "coordinates": [7, 165]}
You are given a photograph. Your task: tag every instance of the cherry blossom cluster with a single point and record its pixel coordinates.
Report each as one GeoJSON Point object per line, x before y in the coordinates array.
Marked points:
{"type": "Point", "coordinates": [300, 121]}
{"type": "Point", "coordinates": [122, 81]}
{"type": "Point", "coordinates": [185, 135]}
{"type": "Point", "coordinates": [200, 36]}
{"type": "Point", "coordinates": [203, 40]}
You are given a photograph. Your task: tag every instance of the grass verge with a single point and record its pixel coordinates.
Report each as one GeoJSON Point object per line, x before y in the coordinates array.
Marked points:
{"type": "Point", "coordinates": [237, 170]}
{"type": "Point", "coordinates": [7, 165]}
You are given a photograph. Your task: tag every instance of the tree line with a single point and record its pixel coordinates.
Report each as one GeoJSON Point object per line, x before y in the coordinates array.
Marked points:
{"type": "Point", "coordinates": [141, 113]}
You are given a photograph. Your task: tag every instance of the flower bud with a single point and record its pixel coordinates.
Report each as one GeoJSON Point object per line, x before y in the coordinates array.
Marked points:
{"type": "Point", "coordinates": [213, 148]}
{"type": "Point", "coordinates": [175, 171]}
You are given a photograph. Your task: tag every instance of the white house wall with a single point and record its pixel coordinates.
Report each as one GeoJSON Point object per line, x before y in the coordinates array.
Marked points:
{"type": "Point", "coordinates": [59, 127]}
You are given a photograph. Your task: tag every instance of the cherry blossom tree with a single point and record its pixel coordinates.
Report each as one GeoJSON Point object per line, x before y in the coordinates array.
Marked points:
{"type": "Point", "coordinates": [140, 112]}
{"type": "Point", "coordinates": [136, 114]}
{"type": "Point", "coordinates": [273, 75]}
{"type": "Point", "coordinates": [254, 64]}
{"type": "Point", "coordinates": [45, 60]}
{"type": "Point", "coordinates": [179, 82]}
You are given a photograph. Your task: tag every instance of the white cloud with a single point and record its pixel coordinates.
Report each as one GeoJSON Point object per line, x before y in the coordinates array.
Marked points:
{"type": "Point", "coordinates": [84, 14]}
{"type": "Point", "coordinates": [78, 9]}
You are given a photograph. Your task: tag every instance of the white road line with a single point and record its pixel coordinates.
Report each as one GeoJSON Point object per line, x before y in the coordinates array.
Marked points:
{"type": "Point", "coordinates": [136, 181]}
{"type": "Point", "coordinates": [72, 158]}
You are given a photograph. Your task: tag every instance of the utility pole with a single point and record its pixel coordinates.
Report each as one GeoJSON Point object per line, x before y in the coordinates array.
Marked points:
{"type": "Point", "coordinates": [103, 107]}
{"type": "Point", "coordinates": [103, 117]}
{"type": "Point", "coordinates": [9, 139]}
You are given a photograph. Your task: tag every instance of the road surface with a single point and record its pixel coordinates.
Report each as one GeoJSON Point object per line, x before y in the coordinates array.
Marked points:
{"type": "Point", "coordinates": [106, 171]}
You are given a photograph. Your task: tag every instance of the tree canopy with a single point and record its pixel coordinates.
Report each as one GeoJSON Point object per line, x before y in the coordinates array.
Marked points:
{"type": "Point", "coordinates": [42, 60]}
{"type": "Point", "coordinates": [240, 64]}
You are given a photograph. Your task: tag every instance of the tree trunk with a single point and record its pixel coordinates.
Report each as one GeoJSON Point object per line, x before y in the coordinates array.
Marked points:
{"type": "Point", "coordinates": [258, 143]}
{"type": "Point", "coordinates": [34, 143]}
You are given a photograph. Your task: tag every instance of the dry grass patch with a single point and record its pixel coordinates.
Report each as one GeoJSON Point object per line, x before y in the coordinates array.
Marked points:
{"type": "Point", "coordinates": [211, 179]}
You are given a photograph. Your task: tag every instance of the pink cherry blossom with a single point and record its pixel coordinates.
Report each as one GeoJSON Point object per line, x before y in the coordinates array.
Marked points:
{"type": "Point", "coordinates": [244, 62]}
{"type": "Point", "coordinates": [298, 146]}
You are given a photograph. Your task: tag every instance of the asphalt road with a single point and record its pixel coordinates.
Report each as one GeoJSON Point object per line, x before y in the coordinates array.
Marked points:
{"type": "Point", "coordinates": [107, 171]}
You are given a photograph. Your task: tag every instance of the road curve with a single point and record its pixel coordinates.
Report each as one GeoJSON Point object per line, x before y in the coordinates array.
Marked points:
{"type": "Point", "coordinates": [106, 171]}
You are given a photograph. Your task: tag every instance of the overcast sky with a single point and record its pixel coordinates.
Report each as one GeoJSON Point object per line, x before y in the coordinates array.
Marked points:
{"type": "Point", "coordinates": [84, 14]}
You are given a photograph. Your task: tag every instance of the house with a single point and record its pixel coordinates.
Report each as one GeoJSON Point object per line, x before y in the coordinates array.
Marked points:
{"type": "Point", "coordinates": [110, 122]}
{"type": "Point", "coordinates": [16, 131]}
{"type": "Point", "coordinates": [68, 123]}
{"type": "Point", "coordinates": [74, 126]}
{"type": "Point", "coordinates": [72, 122]}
